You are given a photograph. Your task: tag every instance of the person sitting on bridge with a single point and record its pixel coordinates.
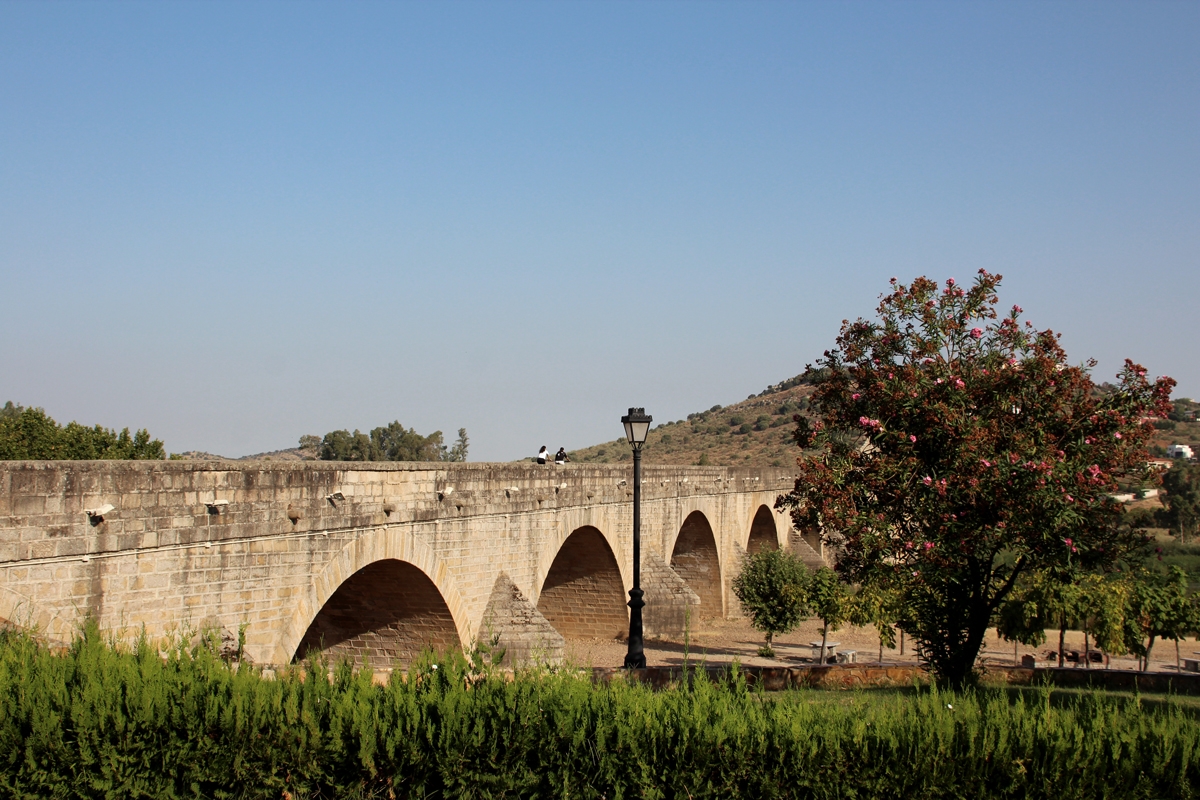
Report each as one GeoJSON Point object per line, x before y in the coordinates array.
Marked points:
{"type": "Point", "coordinates": [561, 456]}
{"type": "Point", "coordinates": [542, 455]}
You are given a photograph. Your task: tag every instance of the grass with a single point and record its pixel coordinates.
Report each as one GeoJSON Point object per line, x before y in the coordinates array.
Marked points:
{"type": "Point", "coordinates": [99, 721]}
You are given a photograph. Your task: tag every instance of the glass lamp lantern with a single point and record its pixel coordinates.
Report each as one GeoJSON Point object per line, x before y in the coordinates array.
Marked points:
{"type": "Point", "coordinates": [637, 426]}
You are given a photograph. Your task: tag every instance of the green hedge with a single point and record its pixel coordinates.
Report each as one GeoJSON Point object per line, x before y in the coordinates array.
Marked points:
{"type": "Point", "coordinates": [100, 722]}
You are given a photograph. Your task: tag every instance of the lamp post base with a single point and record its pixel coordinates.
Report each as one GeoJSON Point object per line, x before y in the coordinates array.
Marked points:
{"type": "Point", "coordinates": [636, 657]}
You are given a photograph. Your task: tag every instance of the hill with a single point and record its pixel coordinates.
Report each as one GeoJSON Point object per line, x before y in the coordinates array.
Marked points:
{"type": "Point", "coordinates": [757, 431]}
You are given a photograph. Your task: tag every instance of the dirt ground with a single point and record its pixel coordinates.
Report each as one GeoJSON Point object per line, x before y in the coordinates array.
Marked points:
{"type": "Point", "coordinates": [721, 641]}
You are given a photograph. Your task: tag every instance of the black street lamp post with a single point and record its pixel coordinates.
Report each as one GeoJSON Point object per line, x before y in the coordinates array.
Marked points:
{"type": "Point", "coordinates": [637, 425]}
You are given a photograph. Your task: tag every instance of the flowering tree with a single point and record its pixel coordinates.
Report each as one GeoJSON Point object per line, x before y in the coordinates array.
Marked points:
{"type": "Point", "coordinates": [955, 450]}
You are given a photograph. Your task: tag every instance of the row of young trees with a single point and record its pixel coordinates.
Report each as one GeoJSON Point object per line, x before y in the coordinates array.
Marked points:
{"type": "Point", "coordinates": [30, 433]}
{"type": "Point", "coordinates": [1119, 613]}
{"type": "Point", "coordinates": [953, 453]}
{"type": "Point", "coordinates": [392, 442]}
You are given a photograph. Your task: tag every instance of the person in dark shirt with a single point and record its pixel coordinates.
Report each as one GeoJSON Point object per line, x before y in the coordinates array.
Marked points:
{"type": "Point", "coordinates": [561, 456]}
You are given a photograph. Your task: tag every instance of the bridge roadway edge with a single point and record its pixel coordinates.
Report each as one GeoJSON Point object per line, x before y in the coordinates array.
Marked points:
{"type": "Point", "coordinates": [190, 544]}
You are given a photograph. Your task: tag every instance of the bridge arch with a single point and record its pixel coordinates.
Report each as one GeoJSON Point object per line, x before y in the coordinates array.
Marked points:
{"type": "Point", "coordinates": [408, 572]}
{"type": "Point", "coordinates": [696, 559]}
{"type": "Point", "coordinates": [764, 534]}
{"type": "Point", "coordinates": [583, 593]}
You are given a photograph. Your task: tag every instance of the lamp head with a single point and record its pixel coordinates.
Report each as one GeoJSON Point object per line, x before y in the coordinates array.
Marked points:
{"type": "Point", "coordinates": [637, 425]}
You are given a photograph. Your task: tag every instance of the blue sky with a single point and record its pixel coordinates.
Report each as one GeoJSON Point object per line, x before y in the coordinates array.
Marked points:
{"type": "Point", "coordinates": [236, 223]}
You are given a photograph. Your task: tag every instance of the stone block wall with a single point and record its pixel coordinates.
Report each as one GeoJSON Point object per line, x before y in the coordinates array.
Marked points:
{"type": "Point", "coordinates": [269, 544]}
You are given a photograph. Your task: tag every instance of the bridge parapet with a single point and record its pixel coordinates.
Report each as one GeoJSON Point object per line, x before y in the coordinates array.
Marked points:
{"type": "Point", "coordinates": [171, 543]}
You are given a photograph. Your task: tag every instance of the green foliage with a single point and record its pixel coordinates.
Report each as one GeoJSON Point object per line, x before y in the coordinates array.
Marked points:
{"type": "Point", "coordinates": [878, 606]}
{"type": "Point", "coordinates": [828, 599]}
{"type": "Point", "coordinates": [29, 433]}
{"type": "Point", "coordinates": [772, 590]}
{"type": "Point", "coordinates": [97, 723]}
{"type": "Point", "coordinates": [392, 442]}
{"type": "Point", "coordinates": [1095, 604]}
{"type": "Point", "coordinates": [458, 451]}
{"type": "Point", "coordinates": [1181, 490]}
{"type": "Point", "coordinates": [1159, 608]}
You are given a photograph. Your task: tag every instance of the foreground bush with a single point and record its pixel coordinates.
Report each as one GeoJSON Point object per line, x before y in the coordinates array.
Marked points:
{"type": "Point", "coordinates": [96, 722]}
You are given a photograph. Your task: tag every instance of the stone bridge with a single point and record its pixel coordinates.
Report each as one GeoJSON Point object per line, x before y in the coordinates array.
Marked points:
{"type": "Point", "coordinates": [375, 560]}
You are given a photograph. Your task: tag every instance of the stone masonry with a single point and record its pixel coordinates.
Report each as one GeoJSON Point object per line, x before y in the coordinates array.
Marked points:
{"type": "Point", "coordinates": [372, 560]}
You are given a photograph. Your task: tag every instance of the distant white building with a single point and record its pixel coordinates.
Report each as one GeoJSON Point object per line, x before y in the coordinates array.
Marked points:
{"type": "Point", "coordinates": [1180, 451]}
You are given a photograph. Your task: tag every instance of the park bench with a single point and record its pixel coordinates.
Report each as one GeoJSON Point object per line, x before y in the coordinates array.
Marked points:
{"type": "Point", "coordinates": [1192, 664]}
{"type": "Point", "coordinates": [847, 657]}
{"type": "Point", "coordinates": [830, 651]}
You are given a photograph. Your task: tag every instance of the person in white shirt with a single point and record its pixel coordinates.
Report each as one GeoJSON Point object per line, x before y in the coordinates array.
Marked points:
{"type": "Point", "coordinates": [542, 455]}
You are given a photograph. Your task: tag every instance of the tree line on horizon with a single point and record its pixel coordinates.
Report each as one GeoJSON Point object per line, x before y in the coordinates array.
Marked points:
{"type": "Point", "coordinates": [32, 434]}
{"type": "Point", "coordinates": [392, 442]}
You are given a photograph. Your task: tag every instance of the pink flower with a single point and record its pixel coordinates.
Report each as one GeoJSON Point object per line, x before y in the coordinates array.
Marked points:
{"type": "Point", "coordinates": [950, 281]}
{"type": "Point", "coordinates": [939, 380]}
{"type": "Point", "coordinates": [976, 333]}
{"type": "Point", "coordinates": [958, 382]}
{"type": "Point", "coordinates": [855, 396]}
{"type": "Point", "coordinates": [1017, 309]}
{"type": "Point", "coordinates": [985, 462]}
{"type": "Point", "coordinates": [908, 545]}
{"type": "Point", "coordinates": [929, 546]}
{"type": "Point", "coordinates": [1067, 542]}
{"type": "Point", "coordinates": [912, 438]}
{"type": "Point", "coordinates": [1117, 435]}
{"type": "Point", "coordinates": [928, 481]}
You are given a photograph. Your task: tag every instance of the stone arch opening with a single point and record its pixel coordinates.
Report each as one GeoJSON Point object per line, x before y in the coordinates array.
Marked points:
{"type": "Point", "coordinates": [695, 559]}
{"type": "Point", "coordinates": [763, 533]}
{"type": "Point", "coordinates": [583, 596]}
{"type": "Point", "coordinates": [388, 612]}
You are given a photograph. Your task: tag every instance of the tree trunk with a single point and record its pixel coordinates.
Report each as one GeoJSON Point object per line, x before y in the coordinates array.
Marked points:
{"type": "Point", "coordinates": [902, 641]}
{"type": "Point", "coordinates": [1177, 654]}
{"type": "Point", "coordinates": [824, 631]}
{"type": "Point", "coordinates": [1062, 636]}
{"type": "Point", "coordinates": [1146, 662]}
{"type": "Point", "coordinates": [1087, 654]}
{"type": "Point", "coordinates": [1016, 661]}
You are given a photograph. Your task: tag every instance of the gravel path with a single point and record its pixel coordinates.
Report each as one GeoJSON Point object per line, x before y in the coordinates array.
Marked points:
{"type": "Point", "coordinates": [721, 641]}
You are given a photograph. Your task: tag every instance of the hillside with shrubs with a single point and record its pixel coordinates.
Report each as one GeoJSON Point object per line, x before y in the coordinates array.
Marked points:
{"type": "Point", "coordinates": [757, 431]}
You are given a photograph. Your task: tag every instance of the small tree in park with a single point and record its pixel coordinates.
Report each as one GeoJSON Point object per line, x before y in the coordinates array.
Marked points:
{"type": "Point", "coordinates": [771, 588]}
{"type": "Point", "coordinates": [1100, 607]}
{"type": "Point", "coordinates": [953, 451]}
{"type": "Point", "coordinates": [878, 606]}
{"type": "Point", "coordinates": [1159, 608]}
{"type": "Point", "coordinates": [829, 600]}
